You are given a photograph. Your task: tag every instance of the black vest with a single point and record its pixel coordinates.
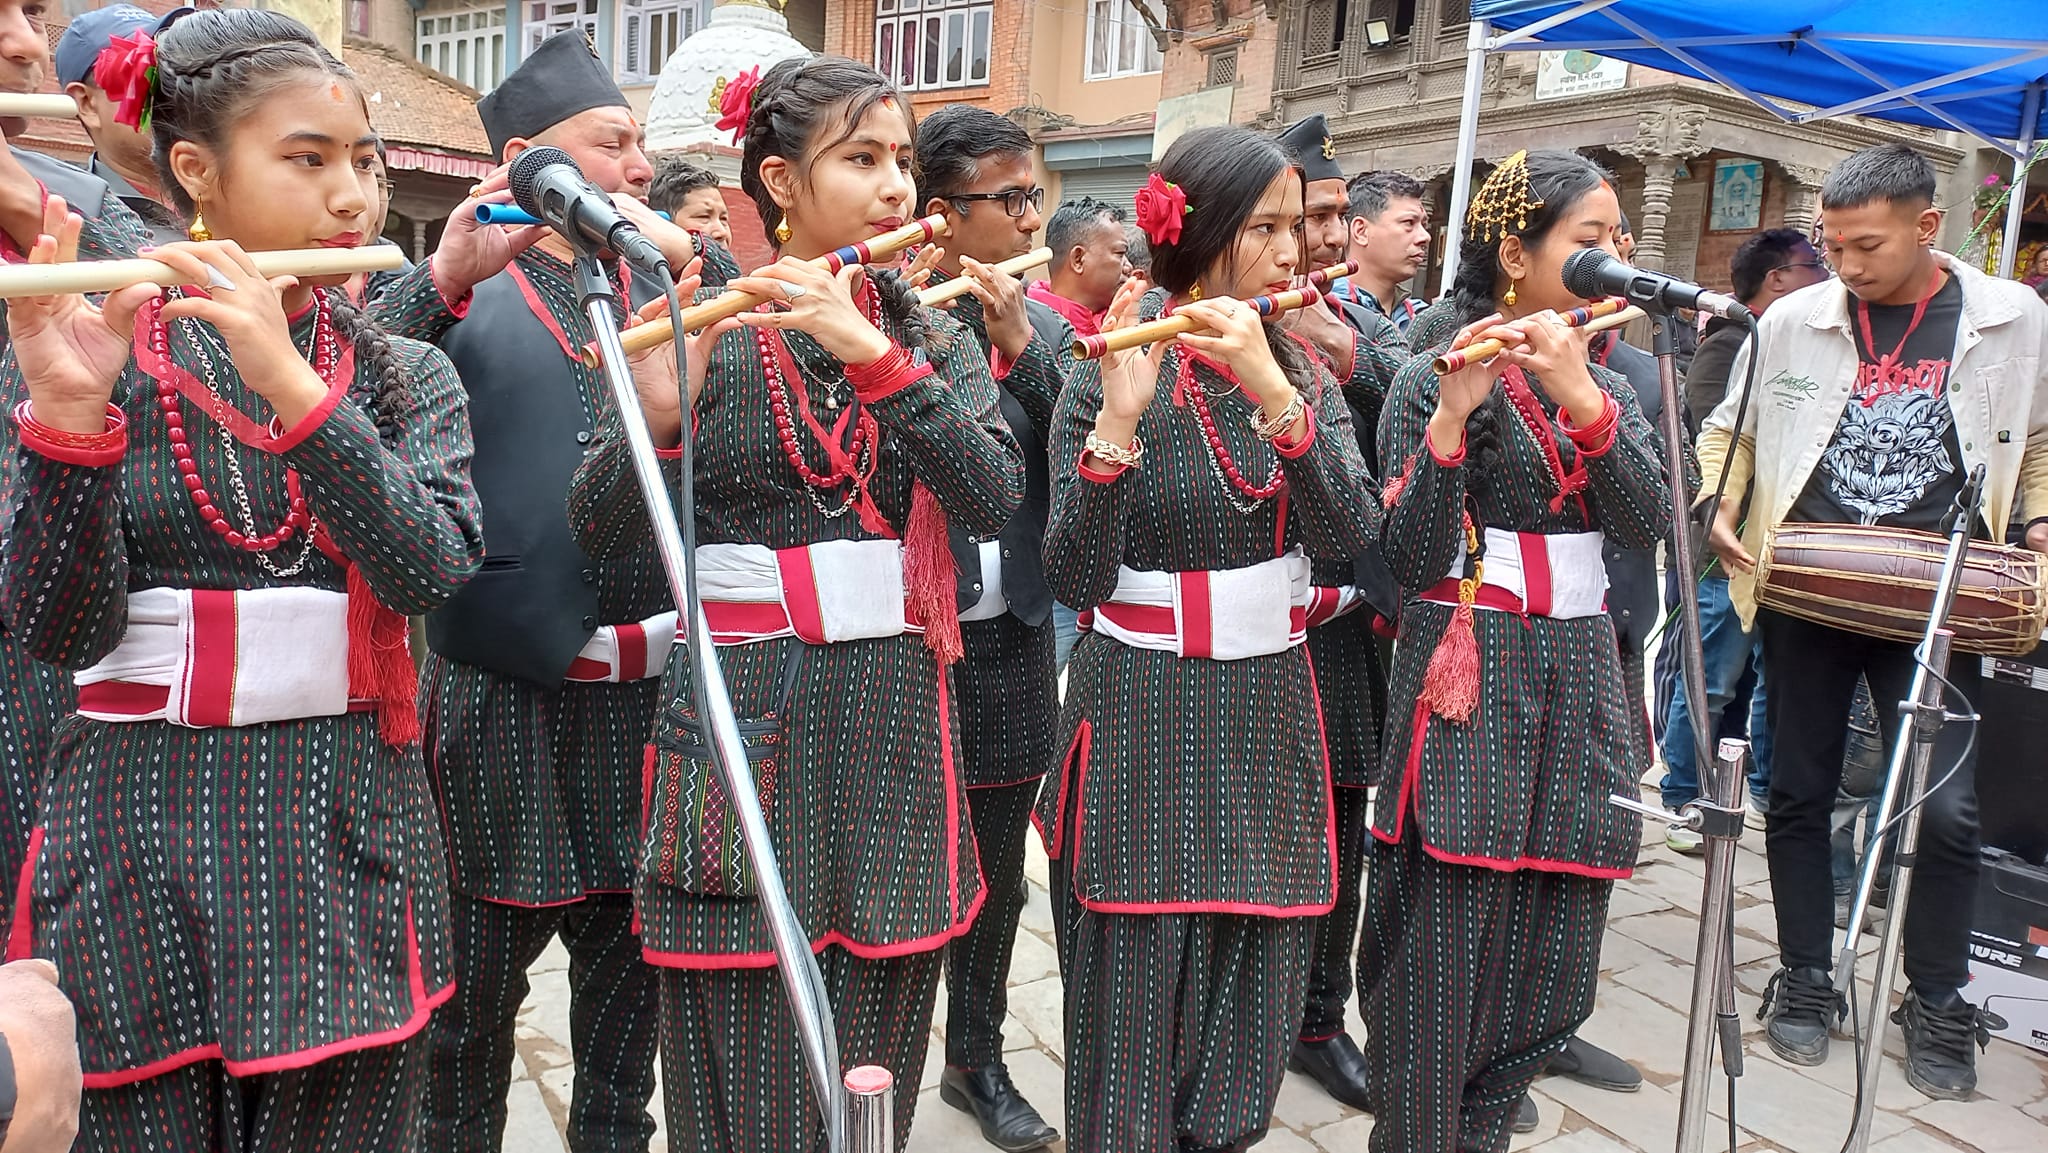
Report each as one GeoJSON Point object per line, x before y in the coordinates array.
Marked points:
{"type": "Point", "coordinates": [533, 605]}
{"type": "Point", "coordinates": [1023, 535]}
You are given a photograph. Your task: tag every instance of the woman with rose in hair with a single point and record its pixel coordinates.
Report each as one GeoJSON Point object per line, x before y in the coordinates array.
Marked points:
{"type": "Point", "coordinates": [1190, 822]}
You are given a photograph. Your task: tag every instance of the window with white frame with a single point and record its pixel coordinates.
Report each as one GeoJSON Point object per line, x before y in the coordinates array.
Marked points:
{"type": "Point", "coordinates": [649, 31]}
{"type": "Point", "coordinates": [1120, 43]}
{"type": "Point", "coordinates": [930, 44]}
{"type": "Point", "coordinates": [466, 43]}
{"type": "Point", "coordinates": [546, 19]}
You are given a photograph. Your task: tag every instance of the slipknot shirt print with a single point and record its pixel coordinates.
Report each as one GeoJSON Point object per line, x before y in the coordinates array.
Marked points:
{"type": "Point", "coordinates": [1894, 458]}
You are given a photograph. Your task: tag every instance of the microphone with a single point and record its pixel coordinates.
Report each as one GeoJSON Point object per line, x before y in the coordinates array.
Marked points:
{"type": "Point", "coordinates": [1591, 274]}
{"type": "Point", "coordinates": [547, 184]}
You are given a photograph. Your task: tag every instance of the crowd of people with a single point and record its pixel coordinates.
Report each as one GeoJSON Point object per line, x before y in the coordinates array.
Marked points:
{"type": "Point", "coordinates": [1312, 666]}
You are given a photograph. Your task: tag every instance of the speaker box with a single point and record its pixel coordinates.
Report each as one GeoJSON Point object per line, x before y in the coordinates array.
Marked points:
{"type": "Point", "coordinates": [2012, 755]}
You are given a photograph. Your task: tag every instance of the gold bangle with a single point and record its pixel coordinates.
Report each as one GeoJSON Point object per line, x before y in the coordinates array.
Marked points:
{"type": "Point", "coordinates": [1113, 454]}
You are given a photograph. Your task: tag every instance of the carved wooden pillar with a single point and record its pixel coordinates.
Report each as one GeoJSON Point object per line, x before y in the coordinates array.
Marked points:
{"type": "Point", "coordinates": [1802, 196]}
{"type": "Point", "coordinates": [419, 239]}
{"type": "Point", "coordinates": [1665, 137]}
{"type": "Point", "coordinates": [1659, 174]}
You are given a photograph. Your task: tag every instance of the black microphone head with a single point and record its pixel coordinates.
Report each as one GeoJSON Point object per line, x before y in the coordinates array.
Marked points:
{"type": "Point", "coordinates": [1582, 273]}
{"type": "Point", "coordinates": [526, 170]}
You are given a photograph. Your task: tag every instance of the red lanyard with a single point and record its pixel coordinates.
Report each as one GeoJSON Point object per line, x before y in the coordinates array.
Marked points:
{"type": "Point", "coordinates": [1919, 314]}
{"type": "Point", "coordinates": [539, 307]}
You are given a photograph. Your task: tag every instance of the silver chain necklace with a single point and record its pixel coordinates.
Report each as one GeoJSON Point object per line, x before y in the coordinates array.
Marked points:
{"type": "Point", "coordinates": [238, 486]}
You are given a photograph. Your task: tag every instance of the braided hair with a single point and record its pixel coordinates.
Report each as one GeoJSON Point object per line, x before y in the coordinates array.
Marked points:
{"type": "Point", "coordinates": [211, 67]}
{"type": "Point", "coordinates": [797, 101]}
{"type": "Point", "coordinates": [1560, 179]}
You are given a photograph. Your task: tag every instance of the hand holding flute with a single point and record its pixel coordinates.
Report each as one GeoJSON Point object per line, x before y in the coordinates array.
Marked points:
{"type": "Point", "coordinates": [741, 293]}
{"type": "Point", "coordinates": [1547, 345]}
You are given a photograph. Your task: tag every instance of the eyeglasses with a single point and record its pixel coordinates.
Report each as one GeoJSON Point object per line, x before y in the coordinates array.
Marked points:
{"type": "Point", "coordinates": [1817, 264]}
{"type": "Point", "coordinates": [1013, 199]}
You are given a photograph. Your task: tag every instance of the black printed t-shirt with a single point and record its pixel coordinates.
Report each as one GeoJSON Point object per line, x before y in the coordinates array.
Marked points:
{"type": "Point", "coordinates": [1894, 458]}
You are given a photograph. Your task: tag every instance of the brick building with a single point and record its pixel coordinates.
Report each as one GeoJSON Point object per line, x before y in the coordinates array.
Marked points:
{"type": "Point", "coordinates": [1700, 168]}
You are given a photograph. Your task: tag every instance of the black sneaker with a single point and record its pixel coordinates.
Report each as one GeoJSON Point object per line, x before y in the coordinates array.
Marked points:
{"type": "Point", "coordinates": [1800, 1006]}
{"type": "Point", "coordinates": [1939, 1032]}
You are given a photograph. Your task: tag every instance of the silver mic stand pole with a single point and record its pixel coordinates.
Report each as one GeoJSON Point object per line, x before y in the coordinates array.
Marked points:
{"type": "Point", "coordinates": [1920, 721]}
{"type": "Point", "coordinates": [801, 980]}
{"type": "Point", "coordinates": [1718, 814]}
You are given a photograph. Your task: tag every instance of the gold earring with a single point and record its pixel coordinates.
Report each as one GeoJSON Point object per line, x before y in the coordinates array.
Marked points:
{"type": "Point", "coordinates": [198, 230]}
{"type": "Point", "coordinates": [1195, 293]}
{"type": "Point", "coordinates": [1508, 298]}
{"type": "Point", "coordinates": [782, 233]}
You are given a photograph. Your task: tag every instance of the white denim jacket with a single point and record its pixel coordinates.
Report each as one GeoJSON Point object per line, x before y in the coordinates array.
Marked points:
{"type": "Point", "coordinates": [1806, 367]}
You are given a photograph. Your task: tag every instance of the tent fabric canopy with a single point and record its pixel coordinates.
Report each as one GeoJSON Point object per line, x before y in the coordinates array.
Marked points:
{"type": "Point", "coordinates": [1968, 67]}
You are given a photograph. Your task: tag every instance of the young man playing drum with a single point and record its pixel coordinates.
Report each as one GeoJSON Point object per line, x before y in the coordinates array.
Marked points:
{"type": "Point", "coordinates": [1876, 395]}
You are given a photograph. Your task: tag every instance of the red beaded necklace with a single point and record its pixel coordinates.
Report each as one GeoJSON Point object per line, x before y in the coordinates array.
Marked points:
{"type": "Point", "coordinates": [1186, 384]}
{"type": "Point", "coordinates": [849, 461]}
{"type": "Point", "coordinates": [171, 381]}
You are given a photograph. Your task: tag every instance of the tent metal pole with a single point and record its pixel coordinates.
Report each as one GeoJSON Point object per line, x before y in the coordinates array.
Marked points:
{"type": "Point", "coordinates": [2016, 200]}
{"type": "Point", "coordinates": [1468, 147]}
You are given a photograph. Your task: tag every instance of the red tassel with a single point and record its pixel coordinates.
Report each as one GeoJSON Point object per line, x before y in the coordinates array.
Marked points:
{"type": "Point", "coordinates": [929, 578]}
{"type": "Point", "coordinates": [1450, 686]}
{"type": "Point", "coordinates": [1398, 485]}
{"type": "Point", "coordinates": [380, 662]}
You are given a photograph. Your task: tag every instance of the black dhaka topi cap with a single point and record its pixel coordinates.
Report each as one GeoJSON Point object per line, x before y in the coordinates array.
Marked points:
{"type": "Point", "coordinates": [557, 80]}
{"type": "Point", "coordinates": [1313, 148]}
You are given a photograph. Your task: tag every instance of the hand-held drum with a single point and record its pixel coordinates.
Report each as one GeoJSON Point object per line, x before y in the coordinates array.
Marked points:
{"type": "Point", "coordinates": [1880, 582]}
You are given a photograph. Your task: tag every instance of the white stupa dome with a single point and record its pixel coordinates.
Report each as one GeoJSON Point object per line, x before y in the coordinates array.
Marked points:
{"type": "Point", "coordinates": [741, 34]}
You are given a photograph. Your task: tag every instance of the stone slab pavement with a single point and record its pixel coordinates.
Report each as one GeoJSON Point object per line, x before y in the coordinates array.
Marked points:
{"type": "Point", "coordinates": [1645, 987]}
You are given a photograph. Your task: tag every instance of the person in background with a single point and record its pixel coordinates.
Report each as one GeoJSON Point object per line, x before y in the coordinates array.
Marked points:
{"type": "Point", "coordinates": [975, 169]}
{"type": "Point", "coordinates": [120, 153]}
{"type": "Point", "coordinates": [39, 1075]}
{"type": "Point", "coordinates": [1389, 238]}
{"type": "Point", "coordinates": [690, 194]}
{"type": "Point", "coordinates": [1137, 251]}
{"type": "Point", "coordinates": [1765, 268]}
{"type": "Point", "coordinates": [1090, 260]}
{"type": "Point", "coordinates": [1913, 349]}
{"type": "Point", "coordinates": [542, 677]}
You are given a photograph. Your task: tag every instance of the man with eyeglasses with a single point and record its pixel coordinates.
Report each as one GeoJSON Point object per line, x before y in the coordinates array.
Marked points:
{"type": "Point", "coordinates": [977, 171]}
{"type": "Point", "coordinates": [1768, 266]}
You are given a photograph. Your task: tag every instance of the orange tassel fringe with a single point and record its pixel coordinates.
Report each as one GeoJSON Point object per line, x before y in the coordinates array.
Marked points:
{"type": "Point", "coordinates": [380, 662]}
{"type": "Point", "coordinates": [1450, 685]}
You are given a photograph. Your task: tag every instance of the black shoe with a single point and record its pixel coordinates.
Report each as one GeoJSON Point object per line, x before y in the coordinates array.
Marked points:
{"type": "Point", "coordinates": [1802, 1006]}
{"type": "Point", "coordinates": [1008, 1121]}
{"type": "Point", "coordinates": [1938, 1033]}
{"type": "Point", "coordinates": [1336, 1065]}
{"type": "Point", "coordinates": [1526, 1117]}
{"type": "Point", "coordinates": [1590, 1064]}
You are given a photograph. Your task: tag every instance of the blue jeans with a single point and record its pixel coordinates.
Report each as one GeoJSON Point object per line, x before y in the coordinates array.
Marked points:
{"type": "Point", "coordinates": [1064, 630]}
{"type": "Point", "coordinates": [1729, 654]}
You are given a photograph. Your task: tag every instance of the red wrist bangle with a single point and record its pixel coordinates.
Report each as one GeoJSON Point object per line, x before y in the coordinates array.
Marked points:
{"type": "Point", "coordinates": [89, 449]}
{"type": "Point", "coordinates": [1595, 439]}
{"type": "Point", "coordinates": [885, 375]}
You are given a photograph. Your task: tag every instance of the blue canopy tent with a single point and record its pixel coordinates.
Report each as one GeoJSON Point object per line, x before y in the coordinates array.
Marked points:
{"type": "Point", "coordinates": [1899, 60]}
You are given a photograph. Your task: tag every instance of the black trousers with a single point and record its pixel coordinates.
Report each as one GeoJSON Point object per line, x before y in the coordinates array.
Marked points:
{"type": "Point", "coordinates": [1810, 673]}
{"type": "Point", "coordinates": [614, 1003]}
{"type": "Point", "coordinates": [1329, 974]}
{"type": "Point", "coordinates": [978, 964]}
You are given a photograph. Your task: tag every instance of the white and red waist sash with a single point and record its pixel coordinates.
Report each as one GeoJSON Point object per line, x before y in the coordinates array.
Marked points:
{"type": "Point", "coordinates": [634, 651]}
{"type": "Point", "coordinates": [1326, 604]}
{"type": "Point", "coordinates": [213, 658]}
{"type": "Point", "coordinates": [1221, 614]}
{"type": "Point", "coordinates": [835, 590]}
{"type": "Point", "coordinates": [1560, 575]}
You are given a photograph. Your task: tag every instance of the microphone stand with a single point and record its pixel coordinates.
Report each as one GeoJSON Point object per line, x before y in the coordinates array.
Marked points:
{"type": "Point", "coordinates": [1921, 717]}
{"type": "Point", "coordinates": [1717, 815]}
{"type": "Point", "coordinates": [802, 982]}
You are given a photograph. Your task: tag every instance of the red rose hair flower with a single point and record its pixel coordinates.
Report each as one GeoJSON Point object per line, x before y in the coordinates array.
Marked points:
{"type": "Point", "coordinates": [736, 103]}
{"type": "Point", "coordinates": [1160, 206]}
{"type": "Point", "coordinates": [126, 71]}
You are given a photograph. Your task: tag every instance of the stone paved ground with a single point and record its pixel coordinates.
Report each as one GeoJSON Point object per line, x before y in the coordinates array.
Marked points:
{"type": "Point", "coordinates": [1645, 986]}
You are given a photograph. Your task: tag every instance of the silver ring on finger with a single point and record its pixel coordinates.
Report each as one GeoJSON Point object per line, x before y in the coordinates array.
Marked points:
{"type": "Point", "coordinates": [215, 278]}
{"type": "Point", "coordinates": [792, 291]}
